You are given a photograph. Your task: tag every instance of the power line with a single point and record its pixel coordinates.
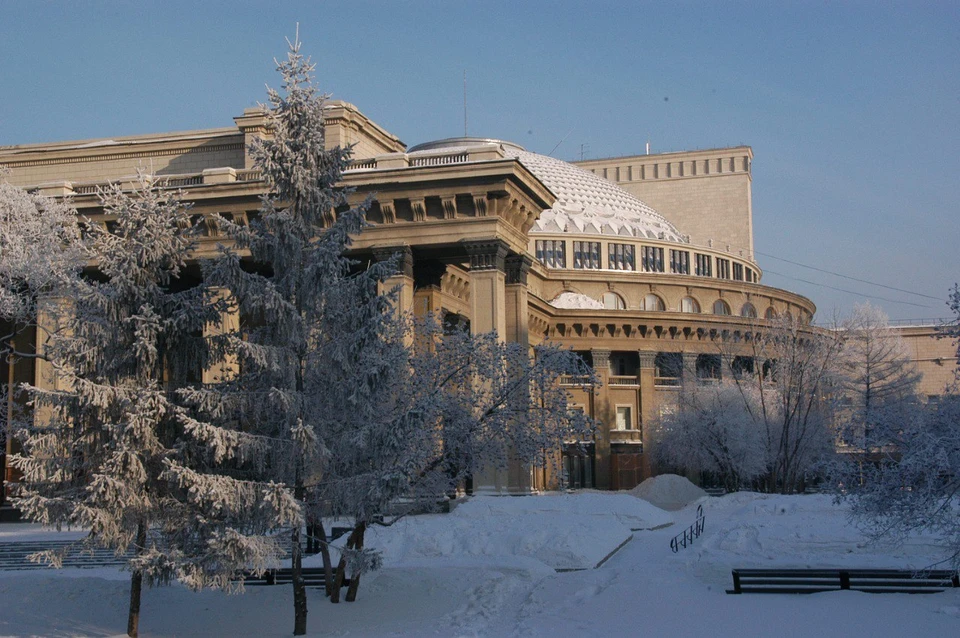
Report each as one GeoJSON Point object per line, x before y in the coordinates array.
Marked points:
{"type": "Point", "coordinates": [849, 292]}
{"type": "Point", "coordinates": [836, 274]}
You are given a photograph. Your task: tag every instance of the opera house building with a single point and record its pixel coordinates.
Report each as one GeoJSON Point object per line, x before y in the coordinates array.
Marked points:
{"type": "Point", "coordinates": [642, 264]}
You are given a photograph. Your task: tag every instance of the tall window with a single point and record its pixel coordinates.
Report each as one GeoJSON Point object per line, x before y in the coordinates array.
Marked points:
{"type": "Point", "coordinates": [652, 259]}
{"type": "Point", "coordinates": [704, 265]}
{"type": "Point", "coordinates": [748, 311]}
{"type": "Point", "coordinates": [750, 275]}
{"type": "Point", "coordinates": [652, 302]}
{"type": "Point", "coordinates": [620, 257]}
{"type": "Point", "coordinates": [624, 418]}
{"type": "Point", "coordinates": [770, 314]}
{"type": "Point", "coordinates": [552, 253]}
{"type": "Point", "coordinates": [689, 304]}
{"type": "Point", "coordinates": [720, 307]}
{"type": "Point", "coordinates": [723, 268]}
{"type": "Point", "coordinates": [738, 272]}
{"type": "Point", "coordinates": [680, 262]}
{"type": "Point", "coordinates": [586, 254]}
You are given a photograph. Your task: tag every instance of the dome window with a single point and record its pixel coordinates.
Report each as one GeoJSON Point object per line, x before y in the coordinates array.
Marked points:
{"type": "Point", "coordinates": [586, 254]}
{"type": "Point", "coordinates": [680, 262]}
{"type": "Point", "coordinates": [652, 258]}
{"type": "Point", "coordinates": [620, 257]}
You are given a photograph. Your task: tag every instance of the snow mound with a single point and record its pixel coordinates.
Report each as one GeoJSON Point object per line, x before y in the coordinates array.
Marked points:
{"type": "Point", "coordinates": [668, 491]}
{"type": "Point", "coordinates": [552, 531]}
{"type": "Point", "coordinates": [575, 301]}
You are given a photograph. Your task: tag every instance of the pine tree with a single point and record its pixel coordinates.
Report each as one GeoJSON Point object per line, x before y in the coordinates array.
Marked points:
{"type": "Point", "coordinates": [105, 439]}
{"type": "Point", "coordinates": [300, 306]}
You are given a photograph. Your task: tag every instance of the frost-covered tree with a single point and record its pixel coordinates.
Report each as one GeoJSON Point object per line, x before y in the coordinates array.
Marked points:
{"type": "Point", "coordinates": [912, 482]}
{"type": "Point", "coordinates": [405, 426]}
{"type": "Point", "coordinates": [878, 380]}
{"type": "Point", "coordinates": [100, 449]}
{"type": "Point", "coordinates": [300, 303]}
{"type": "Point", "coordinates": [41, 254]}
{"type": "Point", "coordinates": [783, 380]}
{"type": "Point", "coordinates": [794, 376]}
{"type": "Point", "coordinates": [714, 429]}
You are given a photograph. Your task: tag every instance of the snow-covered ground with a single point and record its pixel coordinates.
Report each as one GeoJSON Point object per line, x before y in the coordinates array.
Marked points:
{"type": "Point", "coordinates": [487, 570]}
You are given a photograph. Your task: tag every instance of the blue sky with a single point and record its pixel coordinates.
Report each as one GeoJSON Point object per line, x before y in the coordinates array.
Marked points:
{"type": "Point", "coordinates": [852, 109]}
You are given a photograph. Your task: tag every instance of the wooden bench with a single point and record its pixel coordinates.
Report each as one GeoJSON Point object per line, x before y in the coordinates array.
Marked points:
{"type": "Point", "coordinates": [809, 581]}
{"type": "Point", "coordinates": [312, 577]}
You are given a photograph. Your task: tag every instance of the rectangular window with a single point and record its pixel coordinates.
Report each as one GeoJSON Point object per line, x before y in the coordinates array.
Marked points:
{"type": "Point", "coordinates": [723, 268]}
{"type": "Point", "coordinates": [680, 262]}
{"type": "Point", "coordinates": [738, 271]}
{"type": "Point", "coordinates": [586, 254]}
{"type": "Point", "coordinates": [652, 258]}
{"type": "Point", "coordinates": [620, 257]}
{"type": "Point", "coordinates": [552, 253]}
{"type": "Point", "coordinates": [750, 275]}
{"type": "Point", "coordinates": [704, 265]}
{"type": "Point", "coordinates": [624, 419]}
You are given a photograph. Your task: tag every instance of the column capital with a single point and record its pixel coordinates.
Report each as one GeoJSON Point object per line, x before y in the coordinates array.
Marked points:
{"type": "Point", "coordinates": [487, 254]}
{"type": "Point", "coordinates": [601, 359]}
{"type": "Point", "coordinates": [517, 268]}
{"type": "Point", "coordinates": [402, 254]}
{"type": "Point", "coordinates": [647, 359]}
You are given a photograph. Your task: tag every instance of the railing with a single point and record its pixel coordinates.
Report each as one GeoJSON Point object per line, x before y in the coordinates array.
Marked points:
{"type": "Point", "coordinates": [666, 382]}
{"type": "Point", "coordinates": [249, 176]}
{"type": "Point", "coordinates": [624, 380]}
{"type": "Point", "coordinates": [175, 182]}
{"type": "Point", "coordinates": [361, 164]}
{"type": "Point", "coordinates": [567, 379]}
{"type": "Point", "coordinates": [681, 540]}
{"type": "Point", "coordinates": [438, 160]}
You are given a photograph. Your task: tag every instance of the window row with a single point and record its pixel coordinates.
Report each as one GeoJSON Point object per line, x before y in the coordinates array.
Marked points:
{"type": "Point", "coordinates": [654, 303]}
{"type": "Point", "coordinates": [588, 255]}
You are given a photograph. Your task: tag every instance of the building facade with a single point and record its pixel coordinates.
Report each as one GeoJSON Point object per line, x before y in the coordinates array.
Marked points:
{"type": "Point", "coordinates": [643, 264]}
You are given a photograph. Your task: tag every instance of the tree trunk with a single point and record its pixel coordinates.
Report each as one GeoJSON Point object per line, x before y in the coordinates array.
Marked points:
{"type": "Point", "coordinates": [325, 553]}
{"type": "Point", "coordinates": [299, 590]}
{"type": "Point", "coordinates": [341, 568]}
{"type": "Point", "coordinates": [136, 585]}
{"type": "Point", "coordinates": [355, 578]}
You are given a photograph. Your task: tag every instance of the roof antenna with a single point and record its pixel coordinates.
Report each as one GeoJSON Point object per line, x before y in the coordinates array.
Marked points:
{"type": "Point", "coordinates": [550, 154]}
{"type": "Point", "coordinates": [464, 102]}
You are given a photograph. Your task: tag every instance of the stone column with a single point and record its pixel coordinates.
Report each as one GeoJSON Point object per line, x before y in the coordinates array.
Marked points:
{"type": "Point", "coordinates": [488, 313]}
{"type": "Point", "coordinates": [603, 412]}
{"type": "Point", "coordinates": [689, 367]}
{"type": "Point", "coordinates": [517, 325]}
{"type": "Point", "coordinates": [647, 406]}
{"type": "Point", "coordinates": [402, 280]}
{"type": "Point", "coordinates": [487, 286]}
{"type": "Point", "coordinates": [229, 323]}
{"type": "Point", "coordinates": [726, 366]}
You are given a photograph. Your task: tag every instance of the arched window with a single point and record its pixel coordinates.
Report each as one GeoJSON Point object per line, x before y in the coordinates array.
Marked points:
{"type": "Point", "coordinates": [788, 317]}
{"type": "Point", "coordinates": [770, 314]}
{"type": "Point", "coordinates": [748, 311]}
{"type": "Point", "coordinates": [720, 307]}
{"type": "Point", "coordinates": [689, 304]}
{"type": "Point", "coordinates": [652, 303]}
{"type": "Point", "coordinates": [612, 301]}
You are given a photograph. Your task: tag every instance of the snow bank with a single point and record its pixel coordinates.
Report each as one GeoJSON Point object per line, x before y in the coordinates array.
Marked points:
{"type": "Point", "coordinates": [575, 301]}
{"type": "Point", "coordinates": [555, 531]}
{"type": "Point", "coordinates": [668, 491]}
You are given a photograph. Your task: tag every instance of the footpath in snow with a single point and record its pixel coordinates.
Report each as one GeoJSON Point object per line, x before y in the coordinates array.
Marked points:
{"type": "Point", "coordinates": [489, 569]}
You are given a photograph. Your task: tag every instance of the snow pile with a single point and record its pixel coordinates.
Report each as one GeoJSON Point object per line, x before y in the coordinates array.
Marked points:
{"type": "Point", "coordinates": [575, 301]}
{"type": "Point", "coordinates": [556, 531]}
{"type": "Point", "coordinates": [668, 491]}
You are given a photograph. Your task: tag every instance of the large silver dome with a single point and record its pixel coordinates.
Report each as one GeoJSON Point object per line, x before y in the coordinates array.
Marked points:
{"type": "Point", "coordinates": [586, 203]}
